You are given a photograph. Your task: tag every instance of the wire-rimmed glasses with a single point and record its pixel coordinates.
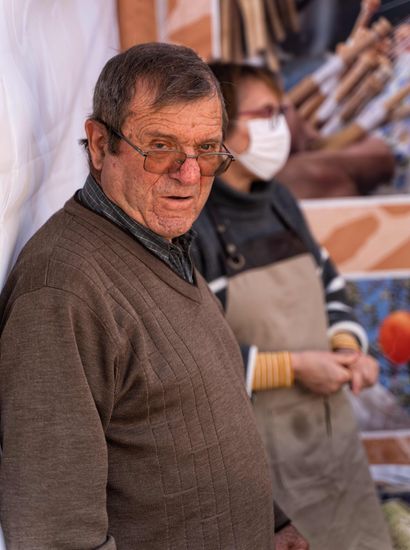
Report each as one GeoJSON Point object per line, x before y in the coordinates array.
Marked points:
{"type": "Point", "coordinates": [170, 161]}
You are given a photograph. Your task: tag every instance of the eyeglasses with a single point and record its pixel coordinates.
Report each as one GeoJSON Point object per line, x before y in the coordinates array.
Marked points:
{"type": "Point", "coordinates": [170, 161]}
{"type": "Point", "coordinates": [269, 111]}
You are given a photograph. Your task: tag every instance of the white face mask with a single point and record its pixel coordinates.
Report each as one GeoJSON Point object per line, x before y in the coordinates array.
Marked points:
{"type": "Point", "coordinates": [269, 147]}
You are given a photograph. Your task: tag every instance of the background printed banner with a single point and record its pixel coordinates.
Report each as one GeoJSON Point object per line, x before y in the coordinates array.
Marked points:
{"type": "Point", "coordinates": [369, 239]}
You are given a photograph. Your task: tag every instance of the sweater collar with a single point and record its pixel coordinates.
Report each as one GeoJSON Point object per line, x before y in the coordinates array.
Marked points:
{"type": "Point", "coordinates": [175, 253]}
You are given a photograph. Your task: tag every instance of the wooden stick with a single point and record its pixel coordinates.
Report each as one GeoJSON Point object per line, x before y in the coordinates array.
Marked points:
{"type": "Point", "coordinates": [294, 16]}
{"type": "Point", "coordinates": [378, 30]}
{"type": "Point", "coordinates": [248, 23]}
{"type": "Point", "coordinates": [348, 135]}
{"type": "Point", "coordinates": [303, 90]}
{"type": "Point", "coordinates": [255, 31]}
{"type": "Point", "coordinates": [379, 114]}
{"type": "Point", "coordinates": [309, 107]}
{"type": "Point", "coordinates": [291, 14]}
{"type": "Point", "coordinates": [274, 20]}
{"type": "Point", "coordinates": [267, 48]}
{"type": "Point", "coordinates": [260, 25]}
{"type": "Point", "coordinates": [237, 42]}
{"type": "Point", "coordinates": [394, 101]}
{"type": "Point", "coordinates": [372, 85]}
{"type": "Point", "coordinates": [337, 63]}
{"type": "Point", "coordinates": [367, 9]}
{"type": "Point", "coordinates": [226, 38]}
{"type": "Point", "coordinates": [311, 84]}
{"type": "Point", "coordinates": [367, 60]}
{"type": "Point", "coordinates": [400, 113]}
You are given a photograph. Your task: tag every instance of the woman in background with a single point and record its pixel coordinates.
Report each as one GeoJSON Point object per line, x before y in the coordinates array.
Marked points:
{"type": "Point", "coordinates": [287, 306]}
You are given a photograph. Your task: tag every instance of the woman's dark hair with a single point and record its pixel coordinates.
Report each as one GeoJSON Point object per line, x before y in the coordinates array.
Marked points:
{"type": "Point", "coordinates": [169, 73]}
{"type": "Point", "coordinates": [229, 76]}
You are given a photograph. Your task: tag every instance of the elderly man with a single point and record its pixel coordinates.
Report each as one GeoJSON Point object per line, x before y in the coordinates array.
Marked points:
{"type": "Point", "coordinates": [124, 418]}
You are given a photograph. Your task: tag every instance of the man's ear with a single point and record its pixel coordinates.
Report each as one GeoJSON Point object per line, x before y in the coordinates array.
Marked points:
{"type": "Point", "coordinates": [97, 142]}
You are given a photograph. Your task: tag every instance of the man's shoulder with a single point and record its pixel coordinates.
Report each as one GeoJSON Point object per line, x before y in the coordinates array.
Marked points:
{"type": "Point", "coordinates": [60, 255]}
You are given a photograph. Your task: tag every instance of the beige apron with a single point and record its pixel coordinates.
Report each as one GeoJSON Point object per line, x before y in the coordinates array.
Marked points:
{"type": "Point", "coordinates": [320, 473]}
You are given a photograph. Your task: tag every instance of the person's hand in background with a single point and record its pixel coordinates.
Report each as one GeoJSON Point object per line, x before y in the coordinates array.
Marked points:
{"type": "Point", "coordinates": [364, 370]}
{"type": "Point", "coordinates": [323, 372]}
{"type": "Point", "coordinates": [289, 538]}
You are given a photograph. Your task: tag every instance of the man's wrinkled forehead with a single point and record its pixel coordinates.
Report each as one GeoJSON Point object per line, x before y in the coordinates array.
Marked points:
{"type": "Point", "coordinates": [147, 100]}
{"type": "Point", "coordinates": [143, 106]}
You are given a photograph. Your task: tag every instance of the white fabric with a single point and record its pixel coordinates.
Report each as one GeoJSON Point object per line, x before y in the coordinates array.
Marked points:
{"type": "Point", "coordinates": [338, 306]}
{"type": "Point", "coordinates": [328, 85]}
{"type": "Point", "coordinates": [218, 284]}
{"type": "Point", "coordinates": [374, 114]}
{"type": "Point", "coordinates": [324, 254]}
{"type": "Point", "coordinates": [332, 126]}
{"type": "Point", "coordinates": [269, 147]}
{"type": "Point", "coordinates": [337, 283]}
{"type": "Point", "coordinates": [326, 110]}
{"type": "Point", "coordinates": [51, 53]}
{"type": "Point", "coordinates": [354, 328]}
{"type": "Point", "coordinates": [250, 369]}
{"type": "Point", "coordinates": [332, 67]}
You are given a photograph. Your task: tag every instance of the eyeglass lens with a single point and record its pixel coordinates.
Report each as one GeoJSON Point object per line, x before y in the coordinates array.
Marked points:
{"type": "Point", "coordinates": [165, 162]}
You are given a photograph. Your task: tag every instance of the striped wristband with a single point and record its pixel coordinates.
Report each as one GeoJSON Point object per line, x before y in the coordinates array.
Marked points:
{"type": "Point", "coordinates": [272, 370]}
{"type": "Point", "coordinates": [344, 340]}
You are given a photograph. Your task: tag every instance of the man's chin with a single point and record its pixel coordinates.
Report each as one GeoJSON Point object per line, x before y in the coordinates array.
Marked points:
{"type": "Point", "coordinates": [171, 228]}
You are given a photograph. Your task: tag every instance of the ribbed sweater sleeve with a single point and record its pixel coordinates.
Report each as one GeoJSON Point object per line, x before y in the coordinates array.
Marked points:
{"type": "Point", "coordinates": [57, 392]}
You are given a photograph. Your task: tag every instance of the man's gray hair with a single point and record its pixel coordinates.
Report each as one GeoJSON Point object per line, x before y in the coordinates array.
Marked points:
{"type": "Point", "coordinates": [172, 74]}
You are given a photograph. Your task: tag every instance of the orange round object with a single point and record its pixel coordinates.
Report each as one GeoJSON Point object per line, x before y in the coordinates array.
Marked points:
{"type": "Point", "coordinates": [394, 336]}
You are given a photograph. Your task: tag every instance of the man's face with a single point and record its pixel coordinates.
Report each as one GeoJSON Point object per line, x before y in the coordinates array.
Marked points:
{"type": "Point", "coordinates": [167, 204]}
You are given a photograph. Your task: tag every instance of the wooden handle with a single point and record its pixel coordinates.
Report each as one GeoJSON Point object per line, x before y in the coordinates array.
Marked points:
{"type": "Point", "coordinates": [302, 90]}
{"type": "Point", "coordinates": [231, 38]}
{"type": "Point", "coordinates": [366, 62]}
{"type": "Point", "coordinates": [366, 38]}
{"type": "Point", "coordinates": [225, 38]}
{"type": "Point", "coordinates": [292, 15]}
{"type": "Point", "coordinates": [347, 136]}
{"type": "Point", "coordinates": [260, 25]}
{"type": "Point", "coordinates": [254, 23]}
{"type": "Point", "coordinates": [274, 20]}
{"type": "Point", "coordinates": [370, 87]}
{"type": "Point", "coordinates": [367, 9]}
{"type": "Point", "coordinates": [400, 113]}
{"type": "Point", "coordinates": [353, 132]}
{"type": "Point", "coordinates": [272, 60]}
{"type": "Point", "coordinates": [310, 106]}
{"type": "Point", "coordinates": [395, 100]}
{"type": "Point", "coordinates": [237, 46]}
{"type": "Point", "coordinates": [266, 46]}
{"type": "Point", "coordinates": [248, 23]}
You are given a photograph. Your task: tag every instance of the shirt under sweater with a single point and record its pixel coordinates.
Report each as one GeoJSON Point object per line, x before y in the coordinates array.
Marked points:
{"type": "Point", "coordinates": [175, 254]}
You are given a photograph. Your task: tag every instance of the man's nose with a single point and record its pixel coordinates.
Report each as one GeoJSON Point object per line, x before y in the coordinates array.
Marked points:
{"type": "Point", "coordinates": [189, 173]}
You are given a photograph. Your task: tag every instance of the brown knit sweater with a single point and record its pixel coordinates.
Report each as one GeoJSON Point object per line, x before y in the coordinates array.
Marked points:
{"type": "Point", "coordinates": [124, 419]}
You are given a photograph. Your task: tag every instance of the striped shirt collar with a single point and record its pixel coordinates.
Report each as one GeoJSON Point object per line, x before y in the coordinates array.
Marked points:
{"type": "Point", "coordinates": [175, 254]}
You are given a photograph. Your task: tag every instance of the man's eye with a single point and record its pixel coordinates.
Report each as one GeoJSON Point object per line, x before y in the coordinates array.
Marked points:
{"type": "Point", "coordinates": [209, 147]}
{"type": "Point", "coordinates": [161, 146]}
